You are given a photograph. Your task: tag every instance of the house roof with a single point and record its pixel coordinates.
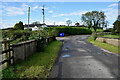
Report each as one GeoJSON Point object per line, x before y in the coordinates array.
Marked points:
{"type": "Point", "coordinates": [33, 25]}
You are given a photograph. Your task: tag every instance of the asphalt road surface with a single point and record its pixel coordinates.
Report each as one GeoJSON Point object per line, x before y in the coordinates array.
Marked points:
{"type": "Point", "coordinates": [80, 59]}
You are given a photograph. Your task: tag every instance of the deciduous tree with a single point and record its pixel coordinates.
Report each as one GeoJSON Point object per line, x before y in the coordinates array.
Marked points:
{"type": "Point", "coordinates": [94, 19]}
{"type": "Point", "coordinates": [116, 27]}
{"type": "Point", "coordinates": [19, 26]}
{"type": "Point", "coordinates": [68, 22]}
{"type": "Point", "coordinates": [77, 24]}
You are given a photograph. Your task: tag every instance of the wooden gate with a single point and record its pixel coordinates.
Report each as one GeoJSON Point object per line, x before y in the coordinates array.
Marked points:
{"type": "Point", "coordinates": [7, 54]}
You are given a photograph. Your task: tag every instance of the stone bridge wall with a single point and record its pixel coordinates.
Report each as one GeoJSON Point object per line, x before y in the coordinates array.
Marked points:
{"type": "Point", "coordinates": [112, 41]}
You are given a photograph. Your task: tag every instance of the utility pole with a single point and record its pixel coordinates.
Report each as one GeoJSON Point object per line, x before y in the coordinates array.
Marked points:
{"type": "Point", "coordinates": [43, 14]}
{"type": "Point", "coordinates": [28, 16]}
{"type": "Point", "coordinates": [54, 23]}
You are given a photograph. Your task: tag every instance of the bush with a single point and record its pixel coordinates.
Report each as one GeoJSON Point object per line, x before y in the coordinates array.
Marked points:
{"type": "Point", "coordinates": [18, 34]}
{"type": "Point", "coordinates": [41, 43]}
{"type": "Point", "coordinates": [69, 30]}
{"type": "Point", "coordinates": [28, 29]}
{"type": "Point", "coordinates": [19, 26]}
{"type": "Point", "coordinates": [106, 30]}
{"type": "Point", "coordinates": [5, 34]}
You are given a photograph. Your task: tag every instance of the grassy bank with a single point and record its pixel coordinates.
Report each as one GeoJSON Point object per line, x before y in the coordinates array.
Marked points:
{"type": "Point", "coordinates": [36, 66]}
{"type": "Point", "coordinates": [104, 45]}
{"type": "Point", "coordinates": [111, 36]}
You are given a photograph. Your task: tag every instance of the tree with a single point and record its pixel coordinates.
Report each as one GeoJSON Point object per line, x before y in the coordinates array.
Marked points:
{"type": "Point", "coordinates": [116, 24]}
{"type": "Point", "coordinates": [77, 24]}
{"type": "Point", "coordinates": [94, 19]}
{"type": "Point", "coordinates": [36, 22]}
{"type": "Point", "coordinates": [116, 27]}
{"type": "Point", "coordinates": [16, 26]}
{"type": "Point", "coordinates": [68, 22]}
{"type": "Point", "coordinates": [19, 26]}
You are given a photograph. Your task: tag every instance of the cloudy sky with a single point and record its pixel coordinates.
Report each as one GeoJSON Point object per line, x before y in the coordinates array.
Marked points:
{"type": "Point", "coordinates": [58, 12]}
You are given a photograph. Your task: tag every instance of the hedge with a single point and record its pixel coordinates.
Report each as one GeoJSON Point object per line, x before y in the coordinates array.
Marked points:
{"type": "Point", "coordinates": [69, 30]}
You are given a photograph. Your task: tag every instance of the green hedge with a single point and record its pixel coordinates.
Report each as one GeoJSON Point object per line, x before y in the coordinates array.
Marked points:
{"type": "Point", "coordinates": [15, 34]}
{"type": "Point", "coordinates": [69, 30]}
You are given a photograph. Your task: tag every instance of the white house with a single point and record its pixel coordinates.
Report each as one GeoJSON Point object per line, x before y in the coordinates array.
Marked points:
{"type": "Point", "coordinates": [35, 28]}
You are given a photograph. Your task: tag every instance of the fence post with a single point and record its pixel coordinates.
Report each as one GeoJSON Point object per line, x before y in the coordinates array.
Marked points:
{"type": "Point", "coordinates": [9, 53]}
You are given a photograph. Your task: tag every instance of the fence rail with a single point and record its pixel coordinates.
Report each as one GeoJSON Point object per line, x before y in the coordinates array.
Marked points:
{"type": "Point", "coordinates": [7, 53]}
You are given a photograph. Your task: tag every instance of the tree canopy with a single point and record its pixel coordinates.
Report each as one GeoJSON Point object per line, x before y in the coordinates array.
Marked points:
{"type": "Point", "coordinates": [68, 22]}
{"type": "Point", "coordinates": [77, 24]}
{"type": "Point", "coordinates": [36, 22]}
{"type": "Point", "coordinates": [94, 19]}
{"type": "Point", "coordinates": [116, 27]}
{"type": "Point", "coordinates": [19, 26]}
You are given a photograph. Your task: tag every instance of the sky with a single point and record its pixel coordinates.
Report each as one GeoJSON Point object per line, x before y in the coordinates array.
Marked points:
{"type": "Point", "coordinates": [58, 12]}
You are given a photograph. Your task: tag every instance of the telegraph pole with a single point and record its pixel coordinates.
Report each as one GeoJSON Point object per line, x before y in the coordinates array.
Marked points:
{"type": "Point", "coordinates": [54, 23]}
{"type": "Point", "coordinates": [43, 14]}
{"type": "Point", "coordinates": [28, 16]}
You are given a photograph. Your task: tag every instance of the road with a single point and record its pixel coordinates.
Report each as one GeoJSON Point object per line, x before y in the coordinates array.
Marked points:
{"type": "Point", "coordinates": [80, 59]}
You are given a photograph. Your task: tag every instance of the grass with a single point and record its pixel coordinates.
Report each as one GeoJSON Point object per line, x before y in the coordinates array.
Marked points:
{"type": "Point", "coordinates": [112, 36]}
{"type": "Point", "coordinates": [36, 66]}
{"type": "Point", "coordinates": [106, 46]}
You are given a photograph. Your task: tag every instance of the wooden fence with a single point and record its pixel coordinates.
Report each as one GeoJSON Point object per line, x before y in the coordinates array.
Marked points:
{"type": "Point", "coordinates": [7, 54]}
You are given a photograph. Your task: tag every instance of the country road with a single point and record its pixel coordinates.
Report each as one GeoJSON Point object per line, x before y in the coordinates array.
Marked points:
{"type": "Point", "coordinates": [80, 59]}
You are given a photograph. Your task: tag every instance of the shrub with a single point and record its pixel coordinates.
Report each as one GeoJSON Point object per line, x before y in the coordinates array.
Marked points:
{"type": "Point", "coordinates": [106, 30]}
{"type": "Point", "coordinates": [41, 43]}
{"type": "Point", "coordinates": [18, 34]}
{"type": "Point", "coordinates": [19, 26]}
{"type": "Point", "coordinates": [5, 34]}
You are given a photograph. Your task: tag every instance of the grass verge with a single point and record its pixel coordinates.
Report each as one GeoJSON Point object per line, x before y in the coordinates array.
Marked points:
{"type": "Point", "coordinates": [106, 46]}
{"type": "Point", "coordinates": [111, 36]}
{"type": "Point", "coordinates": [36, 66]}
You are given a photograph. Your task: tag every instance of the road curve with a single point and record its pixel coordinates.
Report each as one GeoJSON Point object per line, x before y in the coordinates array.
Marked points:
{"type": "Point", "coordinates": [80, 59]}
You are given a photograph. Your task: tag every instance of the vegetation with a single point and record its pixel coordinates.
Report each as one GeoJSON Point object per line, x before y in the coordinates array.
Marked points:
{"type": "Point", "coordinates": [116, 27]}
{"type": "Point", "coordinates": [94, 19]}
{"type": "Point", "coordinates": [68, 22]}
{"type": "Point", "coordinates": [19, 26]}
{"type": "Point", "coordinates": [69, 30]}
{"type": "Point", "coordinates": [36, 66]}
{"type": "Point", "coordinates": [112, 36]}
{"type": "Point", "coordinates": [108, 30]}
{"type": "Point", "coordinates": [77, 24]}
{"type": "Point", "coordinates": [109, 47]}
{"type": "Point", "coordinates": [23, 35]}
{"type": "Point", "coordinates": [97, 31]}
{"type": "Point", "coordinates": [36, 22]}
